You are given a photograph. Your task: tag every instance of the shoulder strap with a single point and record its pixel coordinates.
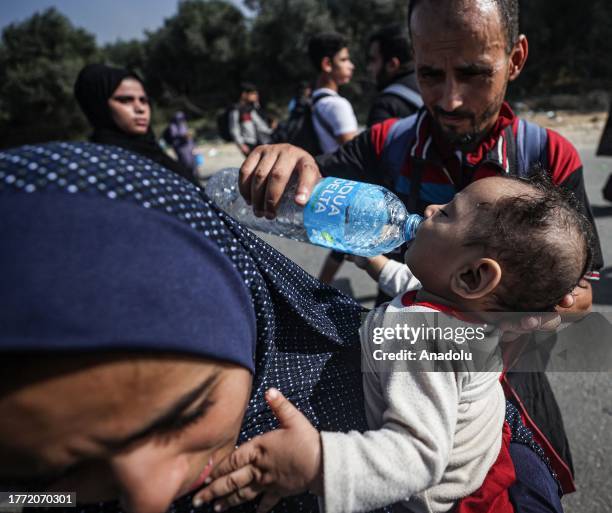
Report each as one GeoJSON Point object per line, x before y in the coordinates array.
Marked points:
{"type": "Point", "coordinates": [405, 93]}
{"type": "Point", "coordinates": [399, 141]}
{"type": "Point", "coordinates": [531, 142]}
{"type": "Point", "coordinates": [326, 126]}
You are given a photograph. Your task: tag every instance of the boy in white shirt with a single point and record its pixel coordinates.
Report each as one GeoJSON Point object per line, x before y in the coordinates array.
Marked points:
{"type": "Point", "coordinates": [496, 247]}
{"type": "Point", "coordinates": [333, 117]}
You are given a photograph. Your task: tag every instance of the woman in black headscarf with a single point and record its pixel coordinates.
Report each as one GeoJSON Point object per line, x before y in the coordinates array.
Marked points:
{"type": "Point", "coordinates": [117, 106]}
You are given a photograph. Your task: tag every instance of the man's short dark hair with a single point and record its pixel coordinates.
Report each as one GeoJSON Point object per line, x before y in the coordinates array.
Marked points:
{"type": "Point", "coordinates": [248, 87]}
{"type": "Point", "coordinates": [325, 44]}
{"type": "Point", "coordinates": [509, 14]}
{"type": "Point", "coordinates": [393, 41]}
{"type": "Point", "coordinates": [541, 240]}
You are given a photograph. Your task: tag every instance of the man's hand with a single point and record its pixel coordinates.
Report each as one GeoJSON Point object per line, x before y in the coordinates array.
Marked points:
{"type": "Point", "coordinates": [581, 304]}
{"type": "Point", "coordinates": [549, 321]}
{"type": "Point", "coordinates": [280, 463]}
{"type": "Point", "coordinates": [266, 171]}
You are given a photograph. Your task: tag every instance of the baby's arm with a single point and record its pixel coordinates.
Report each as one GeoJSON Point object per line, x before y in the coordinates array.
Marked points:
{"type": "Point", "coordinates": [396, 278]}
{"type": "Point", "coordinates": [392, 277]}
{"type": "Point", "coordinates": [283, 462]}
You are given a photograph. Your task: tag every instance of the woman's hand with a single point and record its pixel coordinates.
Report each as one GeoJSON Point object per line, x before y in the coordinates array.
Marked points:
{"type": "Point", "coordinates": [280, 463]}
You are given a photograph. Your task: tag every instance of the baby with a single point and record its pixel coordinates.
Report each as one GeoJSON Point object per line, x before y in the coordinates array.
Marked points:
{"type": "Point", "coordinates": [501, 245]}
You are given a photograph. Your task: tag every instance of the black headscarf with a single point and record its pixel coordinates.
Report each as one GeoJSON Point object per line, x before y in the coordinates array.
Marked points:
{"type": "Point", "coordinates": [95, 84]}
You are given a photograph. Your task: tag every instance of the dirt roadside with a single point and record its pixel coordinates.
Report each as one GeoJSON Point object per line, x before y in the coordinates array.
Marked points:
{"type": "Point", "coordinates": [582, 129]}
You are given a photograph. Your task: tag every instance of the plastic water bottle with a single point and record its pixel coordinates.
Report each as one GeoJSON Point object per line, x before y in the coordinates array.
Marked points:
{"type": "Point", "coordinates": [352, 217]}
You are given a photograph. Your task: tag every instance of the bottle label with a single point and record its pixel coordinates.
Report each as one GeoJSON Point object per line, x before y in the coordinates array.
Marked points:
{"type": "Point", "coordinates": [326, 213]}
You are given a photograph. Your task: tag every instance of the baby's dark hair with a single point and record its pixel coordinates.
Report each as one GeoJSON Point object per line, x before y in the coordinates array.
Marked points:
{"type": "Point", "coordinates": [541, 240]}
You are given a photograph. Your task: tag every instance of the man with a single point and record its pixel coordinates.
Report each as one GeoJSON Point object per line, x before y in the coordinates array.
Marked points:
{"type": "Point", "coordinates": [332, 115]}
{"type": "Point", "coordinates": [247, 126]}
{"type": "Point", "coordinates": [466, 52]}
{"type": "Point", "coordinates": [390, 65]}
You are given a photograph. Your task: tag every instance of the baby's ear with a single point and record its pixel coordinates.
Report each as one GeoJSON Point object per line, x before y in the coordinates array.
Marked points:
{"type": "Point", "coordinates": [476, 279]}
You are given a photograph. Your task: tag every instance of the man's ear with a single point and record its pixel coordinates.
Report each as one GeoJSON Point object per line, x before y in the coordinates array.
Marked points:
{"type": "Point", "coordinates": [518, 57]}
{"type": "Point", "coordinates": [326, 65]}
{"type": "Point", "coordinates": [476, 279]}
{"type": "Point", "coordinates": [392, 65]}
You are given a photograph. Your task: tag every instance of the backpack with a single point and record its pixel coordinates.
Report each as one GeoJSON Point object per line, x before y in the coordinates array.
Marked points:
{"type": "Point", "coordinates": [410, 96]}
{"type": "Point", "coordinates": [223, 124]}
{"type": "Point", "coordinates": [525, 150]}
{"type": "Point", "coordinates": [299, 129]}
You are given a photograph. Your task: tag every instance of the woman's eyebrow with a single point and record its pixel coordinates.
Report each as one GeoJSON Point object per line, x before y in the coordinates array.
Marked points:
{"type": "Point", "coordinates": [163, 420]}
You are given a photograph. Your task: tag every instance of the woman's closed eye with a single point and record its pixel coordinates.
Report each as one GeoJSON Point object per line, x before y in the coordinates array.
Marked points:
{"type": "Point", "coordinates": [177, 425]}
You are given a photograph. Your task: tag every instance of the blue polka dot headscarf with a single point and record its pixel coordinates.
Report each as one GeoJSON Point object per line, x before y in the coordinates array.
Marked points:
{"type": "Point", "coordinates": [105, 235]}
{"type": "Point", "coordinates": [88, 268]}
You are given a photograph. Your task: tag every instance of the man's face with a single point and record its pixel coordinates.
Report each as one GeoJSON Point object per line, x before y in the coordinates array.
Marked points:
{"type": "Point", "coordinates": [376, 65]}
{"type": "Point", "coordinates": [249, 97]}
{"type": "Point", "coordinates": [342, 67]}
{"type": "Point", "coordinates": [462, 67]}
{"type": "Point", "coordinates": [142, 430]}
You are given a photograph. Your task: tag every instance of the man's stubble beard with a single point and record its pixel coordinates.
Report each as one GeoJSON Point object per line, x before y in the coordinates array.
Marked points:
{"type": "Point", "coordinates": [468, 142]}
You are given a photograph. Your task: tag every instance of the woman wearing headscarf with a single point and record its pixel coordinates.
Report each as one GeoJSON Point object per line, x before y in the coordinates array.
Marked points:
{"type": "Point", "coordinates": [116, 104]}
{"type": "Point", "coordinates": [147, 326]}
{"type": "Point", "coordinates": [140, 329]}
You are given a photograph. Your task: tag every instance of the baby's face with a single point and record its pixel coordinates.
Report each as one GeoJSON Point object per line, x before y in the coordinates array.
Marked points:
{"type": "Point", "coordinates": [438, 249]}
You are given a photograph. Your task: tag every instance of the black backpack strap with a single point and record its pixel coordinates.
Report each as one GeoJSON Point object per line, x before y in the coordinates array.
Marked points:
{"type": "Point", "coordinates": [411, 97]}
{"type": "Point", "coordinates": [418, 165]}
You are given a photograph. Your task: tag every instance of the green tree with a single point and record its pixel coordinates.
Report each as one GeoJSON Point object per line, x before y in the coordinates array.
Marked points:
{"type": "Point", "coordinates": [126, 54]}
{"type": "Point", "coordinates": [279, 42]}
{"type": "Point", "coordinates": [194, 59]}
{"type": "Point", "coordinates": [39, 61]}
{"type": "Point", "coordinates": [282, 28]}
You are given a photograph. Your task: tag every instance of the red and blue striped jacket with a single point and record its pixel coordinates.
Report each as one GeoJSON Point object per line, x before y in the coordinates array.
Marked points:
{"type": "Point", "coordinates": [399, 153]}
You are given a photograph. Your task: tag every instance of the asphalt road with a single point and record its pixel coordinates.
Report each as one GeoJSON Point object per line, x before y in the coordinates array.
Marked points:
{"type": "Point", "coordinates": [585, 398]}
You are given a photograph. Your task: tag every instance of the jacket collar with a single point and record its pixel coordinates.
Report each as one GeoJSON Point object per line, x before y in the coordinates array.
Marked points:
{"type": "Point", "coordinates": [492, 149]}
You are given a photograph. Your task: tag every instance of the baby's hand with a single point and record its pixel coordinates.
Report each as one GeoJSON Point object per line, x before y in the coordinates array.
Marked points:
{"type": "Point", "coordinates": [280, 463]}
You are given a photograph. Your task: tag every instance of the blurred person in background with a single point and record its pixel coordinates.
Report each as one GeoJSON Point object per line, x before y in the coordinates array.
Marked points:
{"type": "Point", "coordinates": [390, 66]}
{"type": "Point", "coordinates": [178, 136]}
{"type": "Point", "coordinates": [604, 149]}
{"type": "Point", "coordinates": [117, 106]}
{"type": "Point", "coordinates": [333, 116]}
{"type": "Point", "coordinates": [248, 125]}
{"type": "Point", "coordinates": [301, 98]}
